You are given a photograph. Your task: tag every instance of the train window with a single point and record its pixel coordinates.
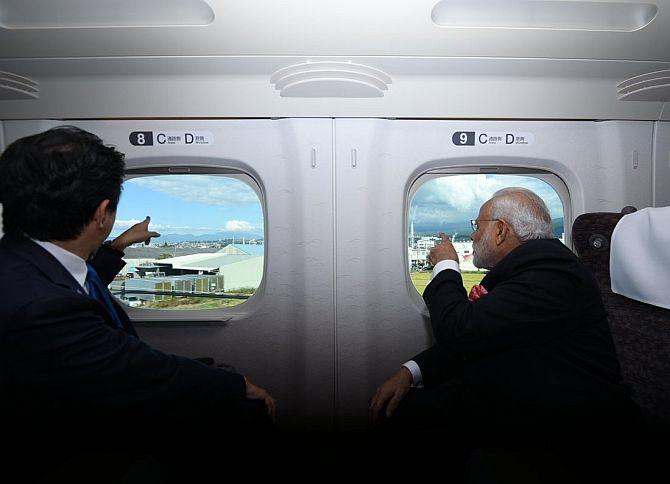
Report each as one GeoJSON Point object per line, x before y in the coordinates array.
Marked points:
{"type": "Point", "coordinates": [447, 202]}
{"type": "Point", "coordinates": [211, 250]}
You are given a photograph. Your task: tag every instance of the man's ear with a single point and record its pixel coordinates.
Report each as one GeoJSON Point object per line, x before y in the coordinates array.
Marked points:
{"type": "Point", "coordinates": [101, 213]}
{"type": "Point", "coordinates": [501, 232]}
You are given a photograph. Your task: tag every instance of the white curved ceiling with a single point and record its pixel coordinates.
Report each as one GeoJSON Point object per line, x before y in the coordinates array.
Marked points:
{"type": "Point", "coordinates": [224, 67]}
{"type": "Point", "coordinates": [333, 28]}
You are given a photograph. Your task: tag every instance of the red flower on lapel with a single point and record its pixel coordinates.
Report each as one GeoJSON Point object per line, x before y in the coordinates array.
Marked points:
{"type": "Point", "coordinates": [476, 292]}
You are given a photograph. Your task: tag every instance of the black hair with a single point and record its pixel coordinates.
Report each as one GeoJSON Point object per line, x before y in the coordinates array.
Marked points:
{"type": "Point", "coordinates": [52, 182]}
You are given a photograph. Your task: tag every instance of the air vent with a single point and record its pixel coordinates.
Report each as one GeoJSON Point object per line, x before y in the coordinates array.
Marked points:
{"type": "Point", "coordinates": [653, 86]}
{"type": "Point", "coordinates": [14, 87]}
{"type": "Point", "coordinates": [540, 14]}
{"type": "Point", "coordinates": [68, 14]}
{"type": "Point", "coordinates": [330, 79]}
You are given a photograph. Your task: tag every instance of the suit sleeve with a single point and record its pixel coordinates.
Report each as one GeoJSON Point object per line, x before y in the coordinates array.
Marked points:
{"type": "Point", "coordinates": [69, 352]}
{"type": "Point", "coordinates": [107, 263]}
{"type": "Point", "coordinates": [533, 307]}
{"type": "Point", "coordinates": [438, 365]}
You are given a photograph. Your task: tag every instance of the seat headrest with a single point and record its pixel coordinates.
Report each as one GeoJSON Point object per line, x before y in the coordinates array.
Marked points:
{"type": "Point", "coordinates": [591, 236]}
{"type": "Point", "coordinates": [640, 256]}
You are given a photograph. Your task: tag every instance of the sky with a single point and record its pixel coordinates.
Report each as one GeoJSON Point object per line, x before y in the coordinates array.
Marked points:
{"type": "Point", "coordinates": [457, 198]}
{"type": "Point", "coordinates": [211, 204]}
{"type": "Point", "coordinates": [191, 204]}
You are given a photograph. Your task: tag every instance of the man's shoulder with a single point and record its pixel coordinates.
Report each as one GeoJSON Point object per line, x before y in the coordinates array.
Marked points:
{"type": "Point", "coordinates": [561, 272]}
{"type": "Point", "coordinates": [16, 253]}
{"type": "Point", "coordinates": [545, 247]}
{"type": "Point", "coordinates": [540, 254]}
{"type": "Point", "coordinates": [16, 272]}
{"type": "Point", "coordinates": [23, 284]}
{"type": "Point", "coordinates": [545, 263]}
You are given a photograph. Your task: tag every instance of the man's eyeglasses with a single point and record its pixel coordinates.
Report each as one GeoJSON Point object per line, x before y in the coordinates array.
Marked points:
{"type": "Point", "coordinates": [475, 223]}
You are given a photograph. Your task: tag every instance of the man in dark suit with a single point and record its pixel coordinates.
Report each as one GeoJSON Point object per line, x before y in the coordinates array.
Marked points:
{"type": "Point", "coordinates": [532, 355]}
{"type": "Point", "coordinates": [70, 359]}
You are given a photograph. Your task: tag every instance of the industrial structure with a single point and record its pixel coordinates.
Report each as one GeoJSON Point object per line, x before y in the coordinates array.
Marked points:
{"type": "Point", "coordinates": [234, 268]}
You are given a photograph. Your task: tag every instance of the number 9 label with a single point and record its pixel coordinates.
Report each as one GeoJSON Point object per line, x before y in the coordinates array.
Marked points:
{"type": "Point", "coordinates": [463, 138]}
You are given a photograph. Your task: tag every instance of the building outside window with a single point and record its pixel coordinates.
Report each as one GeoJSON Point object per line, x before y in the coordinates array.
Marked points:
{"type": "Point", "coordinates": [211, 250]}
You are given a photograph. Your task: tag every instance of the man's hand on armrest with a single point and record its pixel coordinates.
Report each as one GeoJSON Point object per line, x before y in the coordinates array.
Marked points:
{"type": "Point", "coordinates": [392, 391]}
{"type": "Point", "coordinates": [257, 393]}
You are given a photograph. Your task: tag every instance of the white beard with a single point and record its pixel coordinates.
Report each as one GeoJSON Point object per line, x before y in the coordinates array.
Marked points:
{"type": "Point", "coordinates": [481, 255]}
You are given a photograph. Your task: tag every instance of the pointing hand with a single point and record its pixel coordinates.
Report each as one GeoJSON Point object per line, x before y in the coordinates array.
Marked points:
{"type": "Point", "coordinates": [137, 233]}
{"type": "Point", "coordinates": [443, 251]}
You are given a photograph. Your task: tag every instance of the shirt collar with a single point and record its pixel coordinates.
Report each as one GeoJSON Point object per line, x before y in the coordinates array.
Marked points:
{"type": "Point", "coordinates": [74, 264]}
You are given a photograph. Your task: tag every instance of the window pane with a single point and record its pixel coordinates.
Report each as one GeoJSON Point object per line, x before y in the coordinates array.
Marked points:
{"type": "Point", "coordinates": [447, 204]}
{"type": "Point", "coordinates": [211, 249]}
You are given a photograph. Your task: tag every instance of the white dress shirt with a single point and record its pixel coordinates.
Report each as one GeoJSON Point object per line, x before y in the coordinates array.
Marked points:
{"type": "Point", "coordinates": [74, 264]}
{"type": "Point", "coordinates": [417, 379]}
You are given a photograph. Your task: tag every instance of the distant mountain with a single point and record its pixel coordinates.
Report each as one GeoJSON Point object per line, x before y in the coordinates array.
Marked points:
{"type": "Point", "coordinates": [464, 230]}
{"type": "Point", "coordinates": [156, 252]}
{"type": "Point", "coordinates": [176, 238]}
{"type": "Point", "coordinates": [559, 228]}
{"type": "Point", "coordinates": [461, 228]}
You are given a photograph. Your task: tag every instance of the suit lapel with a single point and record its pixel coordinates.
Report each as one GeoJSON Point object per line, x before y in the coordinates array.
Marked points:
{"type": "Point", "coordinates": [102, 311]}
{"type": "Point", "coordinates": [125, 320]}
{"type": "Point", "coordinates": [48, 265]}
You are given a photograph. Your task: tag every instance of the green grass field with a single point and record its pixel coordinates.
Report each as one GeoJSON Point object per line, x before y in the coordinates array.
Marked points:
{"type": "Point", "coordinates": [421, 280]}
{"type": "Point", "coordinates": [193, 303]}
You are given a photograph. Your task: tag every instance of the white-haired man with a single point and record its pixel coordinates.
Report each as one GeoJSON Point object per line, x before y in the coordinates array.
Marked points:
{"type": "Point", "coordinates": [532, 354]}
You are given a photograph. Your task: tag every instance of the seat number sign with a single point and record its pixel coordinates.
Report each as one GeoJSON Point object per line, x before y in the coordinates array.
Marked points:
{"type": "Point", "coordinates": [508, 138]}
{"type": "Point", "coordinates": [171, 138]}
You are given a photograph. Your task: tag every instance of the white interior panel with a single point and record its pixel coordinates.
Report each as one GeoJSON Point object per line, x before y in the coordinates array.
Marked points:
{"type": "Point", "coordinates": [662, 165]}
{"type": "Point", "coordinates": [2, 148]}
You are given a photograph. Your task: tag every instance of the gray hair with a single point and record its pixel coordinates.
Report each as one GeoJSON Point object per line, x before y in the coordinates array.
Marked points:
{"type": "Point", "coordinates": [528, 215]}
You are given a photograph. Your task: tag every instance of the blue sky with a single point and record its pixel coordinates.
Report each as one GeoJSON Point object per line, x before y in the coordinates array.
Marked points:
{"type": "Point", "coordinates": [191, 204]}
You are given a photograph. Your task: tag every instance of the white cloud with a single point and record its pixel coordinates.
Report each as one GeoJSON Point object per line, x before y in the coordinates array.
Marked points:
{"type": "Point", "coordinates": [206, 189]}
{"type": "Point", "coordinates": [458, 198]}
{"type": "Point", "coordinates": [238, 226]}
{"type": "Point", "coordinates": [121, 225]}
{"type": "Point", "coordinates": [124, 224]}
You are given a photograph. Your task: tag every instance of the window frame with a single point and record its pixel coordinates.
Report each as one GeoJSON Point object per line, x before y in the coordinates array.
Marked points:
{"type": "Point", "coordinates": [550, 178]}
{"type": "Point", "coordinates": [208, 317]}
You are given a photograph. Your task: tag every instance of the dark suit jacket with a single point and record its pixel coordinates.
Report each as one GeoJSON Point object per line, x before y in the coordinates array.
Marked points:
{"type": "Point", "coordinates": [537, 346]}
{"type": "Point", "coordinates": [59, 349]}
